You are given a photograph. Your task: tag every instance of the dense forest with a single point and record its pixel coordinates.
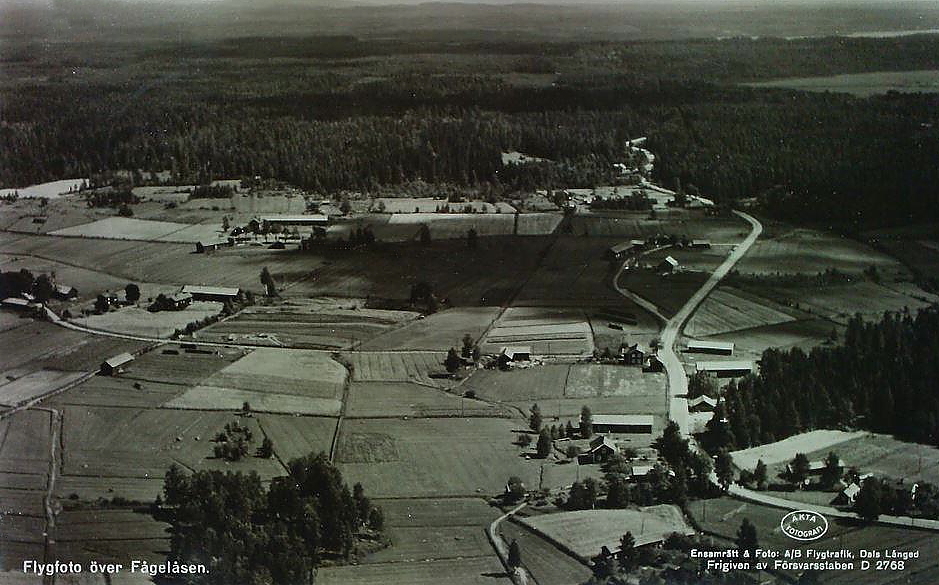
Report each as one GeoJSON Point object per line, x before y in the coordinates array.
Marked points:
{"type": "Point", "coordinates": [884, 378]}
{"type": "Point", "coordinates": [246, 533]}
{"type": "Point", "coordinates": [328, 123]}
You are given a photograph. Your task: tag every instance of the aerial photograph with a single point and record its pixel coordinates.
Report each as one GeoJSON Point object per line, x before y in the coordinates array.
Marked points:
{"type": "Point", "coordinates": [469, 292]}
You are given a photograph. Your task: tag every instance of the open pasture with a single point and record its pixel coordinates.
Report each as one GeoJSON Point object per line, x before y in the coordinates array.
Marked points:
{"type": "Point", "coordinates": [597, 380]}
{"type": "Point", "coordinates": [216, 398]}
{"type": "Point", "coordinates": [21, 502]}
{"type": "Point", "coordinates": [575, 272]}
{"type": "Point", "coordinates": [139, 321]}
{"type": "Point", "coordinates": [396, 367]}
{"type": "Point", "coordinates": [126, 228]}
{"type": "Point", "coordinates": [626, 323]}
{"type": "Point", "coordinates": [546, 331]}
{"type": "Point", "coordinates": [295, 371]}
{"type": "Point", "coordinates": [34, 384]}
{"type": "Point", "coordinates": [547, 381]}
{"type": "Point", "coordinates": [805, 334]}
{"type": "Point", "coordinates": [781, 452]}
{"type": "Point", "coordinates": [95, 525]}
{"type": "Point", "coordinates": [625, 225]}
{"type": "Point", "coordinates": [585, 532]}
{"type": "Point", "coordinates": [439, 331]}
{"type": "Point", "coordinates": [882, 455]}
{"type": "Point", "coordinates": [427, 205]}
{"type": "Point", "coordinates": [862, 84]}
{"type": "Point", "coordinates": [445, 226]}
{"type": "Point", "coordinates": [92, 487]}
{"type": "Point", "coordinates": [119, 391]}
{"type": "Point", "coordinates": [489, 275]}
{"type": "Point", "coordinates": [413, 513]}
{"type": "Point", "coordinates": [788, 250]}
{"type": "Point", "coordinates": [432, 542]}
{"type": "Point", "coordinates": [50, 190]}
{"type": "Point", "coordinates": [727, 309]}
{"type": "Point", "coordinates": [485, 570]}
{"type": "Point", "coordinates": [668, 292]}
{"type": "Point", "coordinates": [397, 399]}
{"type": "Point", "coordinates": [306, 325]}
{"type": "Point", "coordinates": [544, 561]}
{"type": "Point", "coordinates": [838, 303]}
{"type": "Point", "coordinates": [432, 457]}
{"type": "Point", "coordinates": [142, 443]}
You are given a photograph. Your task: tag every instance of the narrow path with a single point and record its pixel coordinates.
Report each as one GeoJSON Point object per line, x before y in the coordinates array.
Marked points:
{"type": "Point", "coordinates": [48, 500]}
{"type": "Point", "coordinates": [518, 575]}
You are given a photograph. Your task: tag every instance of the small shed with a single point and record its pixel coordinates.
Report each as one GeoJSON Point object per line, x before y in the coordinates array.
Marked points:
{"type": "Point", "coordinates": [65, 292]}
{"type": "Point", "coordinates": [618, 251]}
{"type": "Point", "coordinates": [653, 364]}
{"type": "Point", "coordinates": [601, 449]}
{"type": "Point", "coordinates": [701, 244]}
{"type": "Point", "coordinates": [210, 293]}
{"type": "Point", "coordinates": [181, 300]}
{"type": "Point", "coordinates": [668, 265]}
{"type": "Point", "coordinates": [515, 353]}
{"type": "Point", "coordinates": [702, 404]}
{"type": "Point", "coordinates": [116, 364]}
{"type": "Point", "coordinates": [711, 347]}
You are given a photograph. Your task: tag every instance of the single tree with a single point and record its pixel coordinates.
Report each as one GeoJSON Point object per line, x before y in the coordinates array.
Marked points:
{"type": "Point", "coordinates": [225, 223]}
{"type": "Point", "coordinates": [515, 554]}
{"type": "Point", "coordinates": [471, 239]}
{"type": "Point", "coordinates": [424, 235]}
{"type": "Point", "coordinates": [515, 489]}
{"type": "Point", "coordinates": [467, 345]}
{"type": "Point", "coordinates": [267, 281]}
{"type": "Point", "coordinates": [376, 518]}
{"type": "Point", "coordinates": [869, 501]}
{"type": "Point", "coordinates": [524, 439]}
{"type": "Point", "coordinates": [626, 557]}
{"type": "Point", "coordinates": [586, 422]}
{"type": "Point", "coordinates": [43, 289]}
{"type": "Point", "coordinates": [724, 468]}
{"type": "Point", "coordinates": [101, 304]}
{"type": "Point", "coordinates": [132, 292]}
{"type": "Point", "coordinates": [746, 537]}
{"type": "Point", "coordinates": [534, 420]}
{"type": "Point", "coordinates": [453, 361]}
{"type": "Point", "coordinates": [799, 469]}
{"type": "Point", "coordinates": [544, 444]}
{"type": "Point", "coordinates": [832, 471]}
{"type": "Point", "coordinates": [759, 475]}
{"type": "Point", "coordinates": [266, 450]}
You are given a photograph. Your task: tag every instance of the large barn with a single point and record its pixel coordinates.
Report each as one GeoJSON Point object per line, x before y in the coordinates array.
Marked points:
{"type": "Point", "coordinates": [622, 423]}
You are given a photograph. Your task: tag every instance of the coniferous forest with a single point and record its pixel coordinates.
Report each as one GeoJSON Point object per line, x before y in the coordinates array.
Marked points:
{"type": "Point", "coordinates": [883, 378]}
{"type": "Point", "coordinates": [344, 114]}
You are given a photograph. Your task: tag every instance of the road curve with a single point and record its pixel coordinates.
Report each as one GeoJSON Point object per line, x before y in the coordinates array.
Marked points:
{"type": "Point", "coordinates": [677, 379]}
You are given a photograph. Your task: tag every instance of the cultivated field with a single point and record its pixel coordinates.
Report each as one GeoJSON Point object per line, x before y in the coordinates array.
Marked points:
{"type": "Point", "coordinates": [585, 532]}
{"type": "Point", "coordinates": [297, 436]}
{"type": "Point", "coordinates": [636, 225]}
{"type": "Point", "coordinates": [668, 292]}
{"type": "Point", "coordinates": [805, 334]}
{"type": "Point", "coordinates": [432, 457]}
{"type": "Point", "coordinates": [727, 309]}
{"type": "Point", "coordinates": [119, 391]}
{"type": "Point", "coordinates": [573, 273]}
{"type": "Point", "coordinates": [24, 449]}
{"type": "Point", "coordinates": [546, 331]}
{"type": "Point", "coordinates": [272, 380]}
{"type": "Point", "coordinates": [396, 367]}
{"type": "Point", "coordinates": [547, 381]}
{"type": "Point", "coordinates": [397, 399]}
{"type": "Point", "coordinates": [39, 344]}
{"type": "Point", "coordinates": [126, 228]}
{"type": "Point", "coordinates": [439, 331]}
{"type": "Point", "coordinates": [185, 367]}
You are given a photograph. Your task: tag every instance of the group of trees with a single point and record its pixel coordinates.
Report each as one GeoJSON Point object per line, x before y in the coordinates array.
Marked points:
{"type": "Point", "coordinates": [250, 534]}
{"type": "Point", "coordinates": [896, 498]}
{"type": "Point", "coordinates": [883, 377]}
{"type": "Point", "coordinates": [15, 283]}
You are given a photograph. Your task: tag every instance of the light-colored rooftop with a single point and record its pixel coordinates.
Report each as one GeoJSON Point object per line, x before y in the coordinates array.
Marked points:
{"type": "Point", "coordinates": [196, 289]}
{"type": "Point", "coordinates": [716, 345]}
{"type": "Point", "coordinates": [724, 366]}
{"type": "Point", "coordinates": [622, 419]}
{"type": "Point", "coordinates": [119, 360]}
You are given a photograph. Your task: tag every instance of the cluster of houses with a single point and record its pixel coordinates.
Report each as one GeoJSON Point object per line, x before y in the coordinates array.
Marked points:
{"type": "Point", "coordinates": [262, 225]}
{"type": "Point", "coordinates": [27, 303]}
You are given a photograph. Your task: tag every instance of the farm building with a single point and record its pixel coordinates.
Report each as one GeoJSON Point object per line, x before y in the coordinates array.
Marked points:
{"type": "Point", "coordinates": [17, 304]}
{"type": "Point", "coordinates": [601, 449]}
{"type": "Point", "coordinates": [728, 369]}
{"type": "Point", "coordinates": [116, 364]}
{"type": "Point", "coordinates": [617, 251]}
{"type": "Point", "coordinates": [211, 246]}
{"type": "Point", "coordinates": [515, 353]}
{"type": "Point", "coordinates": [622, 423]}
{"type": "Point", "coordinates": [701, 244]}
{"type": "Point", "coordinates": [632, 355]}
{"type": "Point", "coordinates": [210, 293]}
{"type": "Point", "coordinates": [640, 472]}
{"type": "Point", "coordinates": [847, 496]}
{"type": "Point", "coordinates": [713, 347]}
{"type": "Point", "coordinates": [667, 265]}
{"type": "Point", "coordinates": [702, 404]}
{"type": "Point", "coordinates": [180, 300]}
{"type": "Point", "coordinates": [65, 292]}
